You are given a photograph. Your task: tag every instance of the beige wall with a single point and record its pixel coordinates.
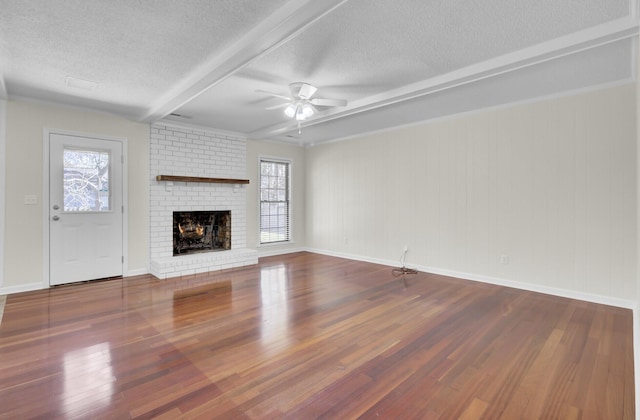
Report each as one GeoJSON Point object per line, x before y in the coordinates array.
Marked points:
{"type": "Point", "coordinates": [23, 231]}
{"type": "Point", "coordinates": [636, 317]}
{"type": "Point", "coordinates": [255, 150]}
{"type": "Point", "coordinates": [551, 185]}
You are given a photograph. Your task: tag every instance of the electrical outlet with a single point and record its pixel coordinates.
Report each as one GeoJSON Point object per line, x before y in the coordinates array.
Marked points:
{"type": "Point", "coordinates": [30, 200]}
{"type": "Point", "coordinates": [504, 259]}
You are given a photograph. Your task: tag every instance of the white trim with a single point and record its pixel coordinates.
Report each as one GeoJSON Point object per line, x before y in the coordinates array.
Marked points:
{"type": "Point", "coordinates": [136, 272]}
{"type": "Point", "coordinates": [284, 24]}
{"type": "Point", "coordinates": [634, 59]}
{"type": "Point", "coordinates": [4, 95]}
{"type": "Point", "coordinates": [573, 43]}
{"type": "Point", "coordinates": [278, 251]}
{"type": "Point", "coordinates": [456, 115]}
{"type": "Point", "coordinates": [29, 287]}
{"type": "Point", "coordinates": [3, 301]}
{"type": "Point", "coordinates": [571, 294]}
{"type": "Point", "coordinates": [68, 106]}
{"type": "Point", "coordinates": [636, 355]}
{"type": "Point", "coordinates": [272, 244]}
{"type": "Point", "coordinates": [215, 132]}
{"type": "Point", "coordinates": [125, 204]}
{"type": "Point", "coordinates": [46, 133]}
{"type": "Point", "coordinates": [636, 312]}
{"type": "Point", "coordinates": [291, 200]}
{"type": "Point", "coordinates": [3, 182]}
{"type": "Point", "coordinates": [3, 87]}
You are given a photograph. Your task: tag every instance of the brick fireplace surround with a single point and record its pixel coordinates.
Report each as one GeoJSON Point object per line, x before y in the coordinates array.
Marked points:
{"type": "Point", "coordinates": [195, 153]}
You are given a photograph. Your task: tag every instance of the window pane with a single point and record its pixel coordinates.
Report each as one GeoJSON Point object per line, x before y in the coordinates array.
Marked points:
{"type": "Point", "coordinates": [86, 180]}
{"type": "Point", "coordinates": [274, 206]}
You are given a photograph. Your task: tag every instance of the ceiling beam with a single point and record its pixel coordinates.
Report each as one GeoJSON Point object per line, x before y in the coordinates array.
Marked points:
{"type": "Point", "coordinates": [286, 23]}
{"type": "Point", "coordinates": [623, 28]}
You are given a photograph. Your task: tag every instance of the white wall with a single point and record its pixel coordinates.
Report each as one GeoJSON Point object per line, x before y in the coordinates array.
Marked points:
{"type": "Point", "coordinates": [551, 185]}
{"type": "Point", "coordinates": [3, 182]}
{"type": "Point", "coordinates": [188, 152]}
{"type": "Point", "coordinates": [23, 223]}
{"type": "Point", "coordinates": [296, 154]}
{"type": "Point", "coordinates": [183, 151]}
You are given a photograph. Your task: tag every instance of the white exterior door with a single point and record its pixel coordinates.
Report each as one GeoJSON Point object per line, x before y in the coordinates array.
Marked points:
{"type": "Point", "coordinates": [85, 208]}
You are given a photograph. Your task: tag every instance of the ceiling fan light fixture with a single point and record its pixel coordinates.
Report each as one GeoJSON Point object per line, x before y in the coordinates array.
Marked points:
{"type": "Point", "coordinates": [290, 110]}
{"type": "Point", "coordinates": [300, 115]}
{"type": "Point", "coordinates": [306, 110]}
{"type": "Point", "coordinates": [302, 105]}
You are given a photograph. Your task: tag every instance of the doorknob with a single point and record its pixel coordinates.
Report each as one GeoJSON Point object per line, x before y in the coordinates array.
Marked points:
{"type": "Point", "coordinates": [55, 218]}
{"type": "Point", "coordinates": [56, 207]}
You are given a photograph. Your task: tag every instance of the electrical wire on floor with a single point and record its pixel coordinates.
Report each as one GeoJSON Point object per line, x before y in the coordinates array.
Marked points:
{"type": "Point", "coordinates": [403, 270]}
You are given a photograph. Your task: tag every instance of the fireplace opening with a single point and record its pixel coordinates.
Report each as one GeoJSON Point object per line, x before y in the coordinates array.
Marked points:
{"type": "Point", "coordinates": [201, 231]}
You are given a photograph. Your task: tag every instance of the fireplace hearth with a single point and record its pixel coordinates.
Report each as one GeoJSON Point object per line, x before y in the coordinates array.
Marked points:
{"type": "Point", "coordinates": [201, 231]}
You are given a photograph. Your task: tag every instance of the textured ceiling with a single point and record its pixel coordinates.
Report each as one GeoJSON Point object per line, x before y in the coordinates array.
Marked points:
{"type": "Point", "coordinates": [396, 63]}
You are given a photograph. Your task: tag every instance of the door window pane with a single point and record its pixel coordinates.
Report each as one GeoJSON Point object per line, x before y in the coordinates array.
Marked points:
{"type": "Point", "coordinates": [86, 180]}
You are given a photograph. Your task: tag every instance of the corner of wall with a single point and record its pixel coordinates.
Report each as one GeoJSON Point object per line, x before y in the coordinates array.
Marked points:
{"type": "Point", "coordinates": [636, 312]}
{"type": "Point", "coordinates": [3, 142]}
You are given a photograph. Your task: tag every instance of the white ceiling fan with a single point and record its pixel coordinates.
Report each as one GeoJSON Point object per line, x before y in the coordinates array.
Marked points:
{"type": "Point", "coordinates": [301, 104]}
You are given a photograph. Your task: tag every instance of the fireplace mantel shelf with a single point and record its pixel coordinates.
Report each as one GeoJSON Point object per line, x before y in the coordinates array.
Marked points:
{"type": "Point", "coordinates": [178, 178]}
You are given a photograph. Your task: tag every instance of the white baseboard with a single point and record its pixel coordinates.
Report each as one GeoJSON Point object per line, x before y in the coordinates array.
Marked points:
{"type": "Point", "coordinates": [566, 293]}
{"type": "Point", "coordinates": [22, 288]}
{"type": "Point", "coordinates": [636, 355]}
{"type": "Point", "coordinates": [136, 272]}
{"type": "Point", "coordinates": [572, 294]}
{"type": "Point", "coordinates": [41, 286]}
{"type": "Point", "coordinates": [353, 257]}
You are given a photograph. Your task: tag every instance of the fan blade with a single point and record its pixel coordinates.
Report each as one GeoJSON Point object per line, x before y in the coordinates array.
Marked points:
{"type": "Point", "coordinates": [305, 90]}
{"type": "Point", "coordinates": [278, 106]}
{"type": "Point", "coordinates": [328, 102]}
{"type": "Point", "coordinates": [277, 95]}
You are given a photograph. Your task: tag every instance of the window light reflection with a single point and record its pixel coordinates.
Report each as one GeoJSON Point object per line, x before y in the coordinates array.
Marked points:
{"type": "Point", "coordinates": [88, 379]}
{"type": "Point", "coordinates": [275, 306]}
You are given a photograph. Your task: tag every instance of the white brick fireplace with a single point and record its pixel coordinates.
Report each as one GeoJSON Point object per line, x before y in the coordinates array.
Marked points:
{"type": "Point", "coordinates": [195, 153]}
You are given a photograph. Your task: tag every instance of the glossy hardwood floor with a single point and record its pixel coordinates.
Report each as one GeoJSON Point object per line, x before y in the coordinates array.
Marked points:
{"type": "Point", "coordinates": [308, 336]}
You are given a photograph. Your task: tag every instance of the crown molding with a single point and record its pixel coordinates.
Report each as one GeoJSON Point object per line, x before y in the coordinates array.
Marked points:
{"type": "Point", "coordinates": [201, 128]}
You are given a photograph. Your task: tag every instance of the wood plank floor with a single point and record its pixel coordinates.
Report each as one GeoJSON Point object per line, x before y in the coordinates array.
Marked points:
{"type": "Point", "coordinates": [306, 336]}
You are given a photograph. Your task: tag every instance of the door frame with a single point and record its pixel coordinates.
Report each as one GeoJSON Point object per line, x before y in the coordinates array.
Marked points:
{"type": "Point", "coordinates": [46, 134]}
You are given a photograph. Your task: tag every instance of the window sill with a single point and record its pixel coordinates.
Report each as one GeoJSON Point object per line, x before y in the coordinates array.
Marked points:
{"type": "Point", "coordinates": [272, 244]}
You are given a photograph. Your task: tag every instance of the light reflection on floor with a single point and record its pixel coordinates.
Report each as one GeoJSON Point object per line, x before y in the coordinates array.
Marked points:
{"type": "Point", "coordinates": [274, 287]}
{"type": "Point", "coordinates": [88, 379]}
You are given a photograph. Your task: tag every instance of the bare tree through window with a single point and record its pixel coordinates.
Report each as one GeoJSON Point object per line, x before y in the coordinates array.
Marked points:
{"type": "Point", "coordinates": [274, 201]}
{"type": "Point", "coordinates": [86, 180]}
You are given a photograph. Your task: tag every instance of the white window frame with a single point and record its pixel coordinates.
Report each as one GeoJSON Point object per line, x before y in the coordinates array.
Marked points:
{"type": "Point", "coordinates": [290, 194]}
